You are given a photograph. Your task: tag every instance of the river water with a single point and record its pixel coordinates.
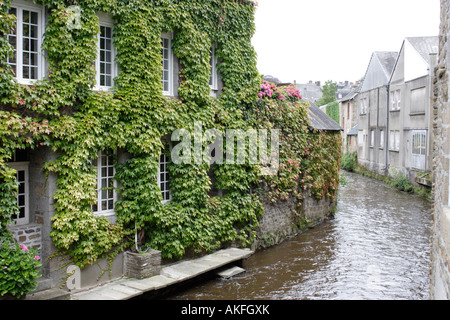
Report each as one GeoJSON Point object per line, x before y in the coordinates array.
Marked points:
{"type": "Point", "coordinates": [377, 247]}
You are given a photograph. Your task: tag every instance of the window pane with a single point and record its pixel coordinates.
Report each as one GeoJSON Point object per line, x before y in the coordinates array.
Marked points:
{"type": "Point", "coordinates": [26, 44]}
{"type": "Point", "coordinates": [33, 59]}
{"type": "Point", "coordinates": [33, 73]}
{"type": "Point", "coordinates": [34, 31]}
{"type": "Point", "coordinates": [26, 16]}
{"type": "Point", "coordinates": [34, 18]}
{"type": "Point", "coordinates": [21, 212]}
{"type": "Point", "coordinates": [34, 45]}
{"type": "Point", "coordinates": [26, 73]}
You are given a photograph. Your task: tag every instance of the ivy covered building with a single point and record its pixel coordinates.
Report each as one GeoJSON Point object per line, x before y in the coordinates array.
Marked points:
{"type": "Point", "coordinates": [89, 98]}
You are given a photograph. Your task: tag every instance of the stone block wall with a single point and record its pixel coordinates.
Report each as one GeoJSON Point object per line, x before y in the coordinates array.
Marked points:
{"type": "Point", "coordinates": [287, 218]}
{"type": "Point", "coordinates": [440, 251]}
{"type": "Point", "coordinates": [29, 235]}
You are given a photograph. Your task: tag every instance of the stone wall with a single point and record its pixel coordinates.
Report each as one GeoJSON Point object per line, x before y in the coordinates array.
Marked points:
{"type": "Point", "coordinates": [440, 251]}
{"type": "Point", "coordinates": [29, 235]}
{"type": "Point", "coordinates": [287, 218]}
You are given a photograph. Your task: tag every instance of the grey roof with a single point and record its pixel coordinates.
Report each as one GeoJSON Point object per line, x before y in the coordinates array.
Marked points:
{"type": "Point", "coordinates": [352, 94]}
{"type": "Point", "coordinates": [379, 70]}
{"type": "Point", "coordinates": [387, 60]}
{"type": "Point", "coordinates": [272, 79]}
{"type": "Point", "coordinates": [353, 132]}
{"type": "Point", "coordinates": [425, 46]}
{"type": "Point", "coordinates": [321, 121]}
{"type": "Point", "coordinates": [310, 91]}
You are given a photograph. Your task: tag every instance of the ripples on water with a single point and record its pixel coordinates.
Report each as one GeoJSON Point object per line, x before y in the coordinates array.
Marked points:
{"type": "Point", "coordinates": [377, 247]}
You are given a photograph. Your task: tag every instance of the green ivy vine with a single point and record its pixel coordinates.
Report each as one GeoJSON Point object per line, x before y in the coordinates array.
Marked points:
{"type": "Point", "coordinates": [63, 113]}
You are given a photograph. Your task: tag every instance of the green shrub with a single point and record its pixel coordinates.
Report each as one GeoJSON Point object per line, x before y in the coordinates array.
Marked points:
{"type": "Point", "coordinates": [349, 161]}
{"type": "Point", "coordinates": [400, 181]}
{"type": "Point", "coordinates": [19, 269]}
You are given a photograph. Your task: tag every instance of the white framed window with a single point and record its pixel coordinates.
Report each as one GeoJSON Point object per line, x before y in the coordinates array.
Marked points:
{"type": "Point", "coordinates": [418, 100]}
{"type": "Point", "coordinates": [105, 66]}
{"type": "Point", "coordinates": [360, 138]}
{"type": "Point", "coordinates": [394, 140]}
{"type": "Point", "coordinates": [372, 138]}
{"type": "Point", "coordinates": [22, 176]}
{"type": "Point", "coordinates": [167, 64]}
{"type": "Point", "coordinates": [106, 185]}
{"type": "Point", "coordinates": [419, 149]}
{"type": "Point", "coordinates": [363, 105]}
{"type": "Point", "coordinates": [163, 178]}
{"type": "Point", "coordinates": [213, 77]}
{"type": "Point", "coordinates": [26, 39]}
{"type": "Point", "coordinates": [381, 139]}
{"type": "Point", "coordinates": [395, 100]}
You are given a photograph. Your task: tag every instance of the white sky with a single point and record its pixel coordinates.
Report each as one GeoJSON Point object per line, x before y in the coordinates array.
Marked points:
{"type": "Point", "coordinates": [323, 40]}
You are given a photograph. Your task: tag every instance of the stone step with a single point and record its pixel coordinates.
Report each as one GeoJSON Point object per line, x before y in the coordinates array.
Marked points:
{"type": "Point", "coordinates": [49, 294]}
{"type": "Point", "coordinates": [177, 273]}
{"type": "Point", "coordinates": [230, 272]}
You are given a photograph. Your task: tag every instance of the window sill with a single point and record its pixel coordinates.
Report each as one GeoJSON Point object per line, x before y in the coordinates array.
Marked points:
{"type": "Point", "coordinates": [417, 114]}
{"type": "Point", "coordinates": [394, 111]}
{"type": "Point", "coordinates": [27, 82]}
{"type": "Point", "coordinates": [104, 214]}
{"type": "Point", "coordinates": [103, 89]}
{"type": "Point", "coordinates": [392, 150]}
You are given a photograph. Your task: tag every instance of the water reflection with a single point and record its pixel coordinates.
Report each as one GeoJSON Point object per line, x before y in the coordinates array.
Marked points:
{"type": "Point", "coordinates": [378, 247]}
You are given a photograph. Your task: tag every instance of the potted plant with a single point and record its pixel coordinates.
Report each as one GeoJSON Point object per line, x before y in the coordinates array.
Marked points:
{"type": "Point", "coordinates": [19, 269]}
{"type": "Point", "coordinates": [140, 264]}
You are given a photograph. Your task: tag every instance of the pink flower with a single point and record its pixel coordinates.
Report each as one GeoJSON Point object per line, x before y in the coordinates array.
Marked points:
{"type": "Point", "coordinates": [37, 258]}
{"type": "Point", "coordinates": [24, 247]}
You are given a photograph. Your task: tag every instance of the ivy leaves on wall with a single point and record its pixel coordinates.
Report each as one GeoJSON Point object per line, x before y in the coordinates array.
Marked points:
{"type": "Point", "coordinates": [63, 113]}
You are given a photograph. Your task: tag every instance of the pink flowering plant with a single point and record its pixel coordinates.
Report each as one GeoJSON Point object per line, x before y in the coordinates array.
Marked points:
{"type": "Point", "coordinates": [19, 269]}
{"type": "Point", "coordinates": [271, 91]}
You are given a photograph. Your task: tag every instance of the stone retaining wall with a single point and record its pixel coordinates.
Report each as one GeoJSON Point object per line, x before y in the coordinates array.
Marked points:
{"type": "Point", "coordinates": [440, 251]}
{"type": "Point", "coordinates": [287, 218]}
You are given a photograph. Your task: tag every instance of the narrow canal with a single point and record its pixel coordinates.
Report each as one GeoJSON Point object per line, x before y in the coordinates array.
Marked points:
{"type": "Point", "coordinates": [377, 247]}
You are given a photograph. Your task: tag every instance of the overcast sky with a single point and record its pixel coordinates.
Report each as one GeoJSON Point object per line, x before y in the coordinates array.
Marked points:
{"type": "Point", "coordinates": [323, 40]}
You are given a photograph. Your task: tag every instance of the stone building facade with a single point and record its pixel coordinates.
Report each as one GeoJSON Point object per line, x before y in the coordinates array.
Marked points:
{"type": "Point", "coordinates": [440, 253]}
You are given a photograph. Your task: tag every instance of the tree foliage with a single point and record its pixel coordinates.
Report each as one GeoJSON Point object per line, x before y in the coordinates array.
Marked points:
{"type": "Point", "coordinates": [329, 93]}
